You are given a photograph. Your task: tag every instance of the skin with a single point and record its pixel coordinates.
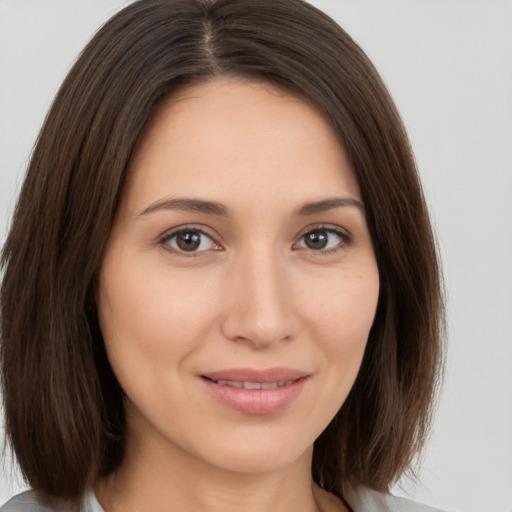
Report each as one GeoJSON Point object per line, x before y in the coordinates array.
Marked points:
{"type": "Point", "coordinates": [252, 295]}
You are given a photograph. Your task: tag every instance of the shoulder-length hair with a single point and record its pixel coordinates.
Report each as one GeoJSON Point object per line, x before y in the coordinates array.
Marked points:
{"type": "Point", "coordinates": [63, 405]}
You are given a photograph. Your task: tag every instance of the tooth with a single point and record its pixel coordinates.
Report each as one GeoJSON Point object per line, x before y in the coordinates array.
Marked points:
{"type": "Point", "coordinates": [252, 385]}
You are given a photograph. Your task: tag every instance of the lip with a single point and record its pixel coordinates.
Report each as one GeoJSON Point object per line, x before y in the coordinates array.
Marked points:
{"type": "Point", "coordinates": [256, 401]}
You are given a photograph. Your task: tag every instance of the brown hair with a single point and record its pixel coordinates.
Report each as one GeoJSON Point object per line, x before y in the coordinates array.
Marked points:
{"type": "Point", "coordinates": [63, 405]}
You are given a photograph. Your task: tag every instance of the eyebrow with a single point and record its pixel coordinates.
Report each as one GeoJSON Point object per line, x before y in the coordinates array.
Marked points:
{"type": "Point", "coordinates": [213, 208]}
{"type": "Point", "coordinates": [188, 205]}
{"type": "Point", "coordinates": [328, 204]}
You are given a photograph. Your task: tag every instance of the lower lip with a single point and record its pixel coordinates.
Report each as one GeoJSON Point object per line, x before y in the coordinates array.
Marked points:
{"type": "Point", "coordinates": [256, 401]}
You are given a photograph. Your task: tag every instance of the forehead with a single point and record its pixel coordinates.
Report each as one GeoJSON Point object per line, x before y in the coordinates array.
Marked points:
{"type": "Point", "coordinates": [232, 136]}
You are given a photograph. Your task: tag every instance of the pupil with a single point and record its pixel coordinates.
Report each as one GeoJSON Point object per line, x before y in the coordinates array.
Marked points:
{"type": "Point", "coordinates": [188, 241]}
{"type": "Point", "coordinates": [316, 240]}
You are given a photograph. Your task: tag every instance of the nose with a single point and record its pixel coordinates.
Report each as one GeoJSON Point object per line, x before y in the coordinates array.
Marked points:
{"type": "Point", "coordinates": [259, 311]}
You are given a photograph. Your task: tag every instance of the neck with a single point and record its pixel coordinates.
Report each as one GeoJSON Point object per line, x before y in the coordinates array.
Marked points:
{"type": "Point", "coordinates": [158, 475]}
{"type": "Point", "coordinates": [179, 481]}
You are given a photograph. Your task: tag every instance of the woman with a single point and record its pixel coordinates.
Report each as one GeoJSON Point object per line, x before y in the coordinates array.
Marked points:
{"type": "Point", "coordinates": [234, 297]}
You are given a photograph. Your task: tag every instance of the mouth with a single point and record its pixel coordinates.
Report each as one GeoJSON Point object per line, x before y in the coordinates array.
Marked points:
{"type": "Point", "coordinates": [252, 385]}
{"type": "Point", "coordinates": [279, 376]}
{"type": "Point", "coordinates": [256, 392]}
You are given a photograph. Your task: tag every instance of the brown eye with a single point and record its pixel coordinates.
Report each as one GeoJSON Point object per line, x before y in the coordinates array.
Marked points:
{"type": "Point", "coordinates": [316, 240]}
{"type": "Point", "coordinates": [189, 240]}
{"type": "Point", "coordinates": [323, 239]}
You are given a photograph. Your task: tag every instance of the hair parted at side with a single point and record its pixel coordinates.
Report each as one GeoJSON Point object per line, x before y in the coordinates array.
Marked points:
{"type": "Point", "coordinates": [63, 405]}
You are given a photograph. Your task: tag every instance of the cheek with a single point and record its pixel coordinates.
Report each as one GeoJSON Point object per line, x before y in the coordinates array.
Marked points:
{"type": "Point", "coordinates": [344, 308]}
{"type": "Point", "coordinates": [342, 314]}
{"type": "Point", "coordinates": [150, 316]}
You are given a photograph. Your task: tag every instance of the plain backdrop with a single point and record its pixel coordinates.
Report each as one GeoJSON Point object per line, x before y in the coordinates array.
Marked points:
{"type": "Point", "coordinates": [448, 64]}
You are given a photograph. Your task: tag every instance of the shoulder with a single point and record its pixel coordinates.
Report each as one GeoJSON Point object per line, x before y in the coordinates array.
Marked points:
{"type": "Point", "coordinates": [368, 500]}
{"type": "Point", "coordinates": [31, 501]}
{"type": "Point", "coordinates": [27, 502]}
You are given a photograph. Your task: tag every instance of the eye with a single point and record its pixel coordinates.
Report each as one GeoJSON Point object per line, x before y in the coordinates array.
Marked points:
{"type": "Point", "coordinates": [323, 239]}
{"type": "Point", "coordinates": [189, 240]}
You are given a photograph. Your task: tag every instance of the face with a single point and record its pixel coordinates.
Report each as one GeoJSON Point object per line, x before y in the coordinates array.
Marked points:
{"type": "Point", "coordinates": [239, 284]}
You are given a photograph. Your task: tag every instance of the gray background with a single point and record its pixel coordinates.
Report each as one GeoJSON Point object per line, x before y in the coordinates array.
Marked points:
{"type": "Point", "coordinates": [448, 64]}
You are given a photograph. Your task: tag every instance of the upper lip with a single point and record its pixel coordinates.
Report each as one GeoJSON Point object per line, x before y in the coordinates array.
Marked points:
{"type": "Point", "coordinates": [256, 375]}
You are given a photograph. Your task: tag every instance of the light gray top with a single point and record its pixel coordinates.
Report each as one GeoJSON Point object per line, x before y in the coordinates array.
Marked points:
{"type": "Point", "coordinates": [364, 500]}
{"type": "Point", "coordinates": [367, 500]}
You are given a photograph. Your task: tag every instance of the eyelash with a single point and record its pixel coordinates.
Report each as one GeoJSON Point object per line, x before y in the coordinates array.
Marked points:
{"type": "Point", "coordinates": [166, 238]}
{"type": "Point", "coordinates": [345, 239]}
